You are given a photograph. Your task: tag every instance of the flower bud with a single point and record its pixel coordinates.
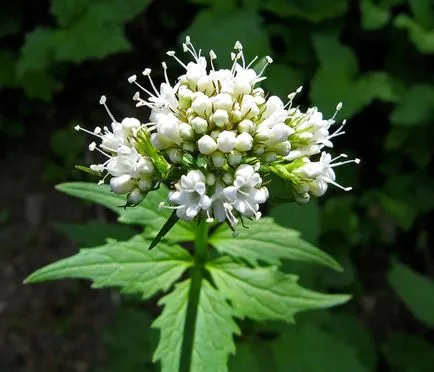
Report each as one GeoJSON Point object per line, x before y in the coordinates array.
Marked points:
{"type": "Point", "coordinates": [175, 155]}
{"type": "Point", "coordinates": [210, 179]}
{"type": "Point", "coordinates": [143, 167]}
{"type": "Point", "coordinates": [199, 124]}
{"type": "Point", "coordinates": [244, 142]}
{"type": "Point", "coordinates": [234, 158]}
{"type": "Point", "coordinates": [222, 101]}
{"type": "Point", "coordinates": [246, 126]}
{"type": "Point", "coordinates": [122, 184]}
{"type": "Point", "coordinates": [220, 118]}
{"type": "Point", "coordinates": [145, 184]}
{"type": "Point", "coordinates": [207, 145]}
{"type": "Point", "coordinates": [269, 157]}
{"type": "Point", "coordinates": [186, 131]}
{"type": "Point", "coordinates": [228, 178]}
{"type": "Point", "coordinates": [185, 96]}
{"type": "Point", "coordinates": [273, 104]}
{"type": "Point", "coordinates": [279, 133]}
{"type": "Point", "coordinates": [226, 141]}
{"type": "Point", "coordinates": [218, 159]}
{"type": "Point", "coordinates": [135, 197]}
{"type": "Point", "coordinates": [201, 104]}
{"type": "Point", "coordinates": [188, 146]}
{"type": "Point", "coordinates": [249, 109]}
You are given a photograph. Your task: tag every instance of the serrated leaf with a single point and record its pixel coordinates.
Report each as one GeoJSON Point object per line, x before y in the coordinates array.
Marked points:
{"type": "Point", "coordinates": [266, 241]}
{"type": "Point", "coordinates": [242, 25]}
{"type": "Point", "coordinates": [264, 293]}
{"type": "Point", "coordinates": [333, 55]}
{"type": "Point", "coordinates": [416, 290]}
{"type": "Point", "coordinates": [214, 329]}
{"type": "Point", "coordinates": [303, 218]}
{"type": "Point", "coordinates": [95, 233]}
{"type": "Point", "coordinates": [310, 349]}
{"type": "Point", "coordinates": [146, 213]}
{"type": "Point", "coordinates": [128, 265]}
{"type": "Point", "coordinates": [416, 107]}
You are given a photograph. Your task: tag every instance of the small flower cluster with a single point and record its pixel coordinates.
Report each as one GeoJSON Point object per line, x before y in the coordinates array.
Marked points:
{"type": "Point", "coordinates": [210, 136]}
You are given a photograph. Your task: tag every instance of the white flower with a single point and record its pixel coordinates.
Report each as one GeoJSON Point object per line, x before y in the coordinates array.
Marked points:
{"type": "Point", "coordinates": [246, 192]}
{"type": "Point", "coordinates": [190, 195]}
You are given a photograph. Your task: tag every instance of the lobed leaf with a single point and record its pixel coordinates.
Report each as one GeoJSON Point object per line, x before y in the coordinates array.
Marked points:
{"type": "Point", "coordinates": [146, 213]}
{"type": "Point", "coordinates": [264, 293]}
{"type": "Point", "coordinates": [215, 326]}
{"type": "Point", "coordinates": [266, 241]}
{"type": "Point", "coordinates": [128, 265]}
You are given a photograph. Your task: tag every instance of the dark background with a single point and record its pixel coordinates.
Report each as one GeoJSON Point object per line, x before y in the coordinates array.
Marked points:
{"type": "Point", "coordinates": [57, 58]}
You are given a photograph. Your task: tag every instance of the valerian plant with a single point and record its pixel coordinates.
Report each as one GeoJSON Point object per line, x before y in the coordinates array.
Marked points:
{"type": "Point", "coordinates": [198, 171]}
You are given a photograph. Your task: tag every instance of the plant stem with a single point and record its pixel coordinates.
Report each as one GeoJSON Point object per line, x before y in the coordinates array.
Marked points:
{"type": "Point", "coordinates": [201, 253]}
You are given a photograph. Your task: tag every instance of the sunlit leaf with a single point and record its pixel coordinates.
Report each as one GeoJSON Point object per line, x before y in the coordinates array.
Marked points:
{"type": "Point", "coordinates": [266, 241]}
{"type": "Point", "coordinates": [264, 293]}
{"type": "Point", "coordinates": [213, 338]}
{"type": "Point", "coordinates": [128, 265]}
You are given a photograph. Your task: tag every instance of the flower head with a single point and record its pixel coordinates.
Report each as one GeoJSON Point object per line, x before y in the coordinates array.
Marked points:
{"type": "Point", "coordinates": [211, 136]}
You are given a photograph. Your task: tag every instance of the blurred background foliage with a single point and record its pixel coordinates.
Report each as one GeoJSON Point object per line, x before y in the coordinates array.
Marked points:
{"type": "Point", "coordinates": [376, 56]}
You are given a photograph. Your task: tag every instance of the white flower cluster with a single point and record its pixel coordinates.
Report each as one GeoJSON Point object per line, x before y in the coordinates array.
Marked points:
{"type": "Point", "coordinates": [210, 134]}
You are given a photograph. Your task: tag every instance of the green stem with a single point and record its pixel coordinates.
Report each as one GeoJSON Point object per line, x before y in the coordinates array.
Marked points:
{"type": "Point", "coordinates": [201, 248]}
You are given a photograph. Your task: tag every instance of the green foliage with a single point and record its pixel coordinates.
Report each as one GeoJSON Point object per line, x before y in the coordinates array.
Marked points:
{"type": "Point", "coordinates": [264, 293]}
{"type": "Point", "coordinates": [415, 290]}
{"type": "Point", "coordinates": [214, 330]}
{"type": "Point", "coordinates": [128, 265]}
{"type": "Point", "coordinates": [147, 213]}
{"type": "Point", "coordinates": [310, 349]}
{"type": "Point", "coordinates": [265, 241]}
{"type": "Point", "coordinates": [245, 24]}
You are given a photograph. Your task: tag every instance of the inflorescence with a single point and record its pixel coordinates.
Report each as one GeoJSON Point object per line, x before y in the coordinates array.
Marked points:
{"type": "Point", "coordinates": [211, 136]}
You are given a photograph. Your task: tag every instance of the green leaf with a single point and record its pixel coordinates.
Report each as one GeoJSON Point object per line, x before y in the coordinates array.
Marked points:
{"type": "Point", "coordinates": [172, 220]}
{"type": "Point", "coordinates": [95, 233]}
{"type": "Point", "coordinates": [68, 11]}
{"type": "Point", "coordinates": [310, 349]}
{"type": "Point", "coordinates": [373, 16]}
{"type": "Point", "coordinates": [128, 265]}
{"type": "Point", "coordinates": [37, 51]}
{"type": "Point", "coordinates": [311, 10]}
{"type": "Point", "coordinates": [416, 108]}
{"type": "Point", "coordinates": [266, 241]}
{"type": "Point", "coordinates": [333, 55]}
{"type": "Point", "coordinates": [146, 213]}
{"type": "Point", "coordinates": [213, 332]}
{"type": "Point", "coordinates": [422, 39]}
{"type": "Point", "coordinates": [264, 293]}
{"type": "Point", "coordinates": [409, 353]}
{"type": "Point", "coordinates": [303, 218]}
{"type": "Point", "coordinates": [416, 290]}
{"type": "Point", "coordinates": [242, 25]}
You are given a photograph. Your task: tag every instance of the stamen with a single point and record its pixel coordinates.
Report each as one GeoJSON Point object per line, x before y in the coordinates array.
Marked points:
{"type": "Point", "coordinates": [102, 101]}
{"type": "Point", "coordinates": [94, 133]}
{"type": "Point", "coordinates": [212, 56]}
{"type": "Point", "coordinates": [356, 160]}
{"type": "Point", "coordinates": [252, 62]}
{"type": "Point", "coordinates": [165, 72]}
{"type": "Point", "coordinates": [171, 53]}
{"type": "Point", "coordinates": [147, 72]}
